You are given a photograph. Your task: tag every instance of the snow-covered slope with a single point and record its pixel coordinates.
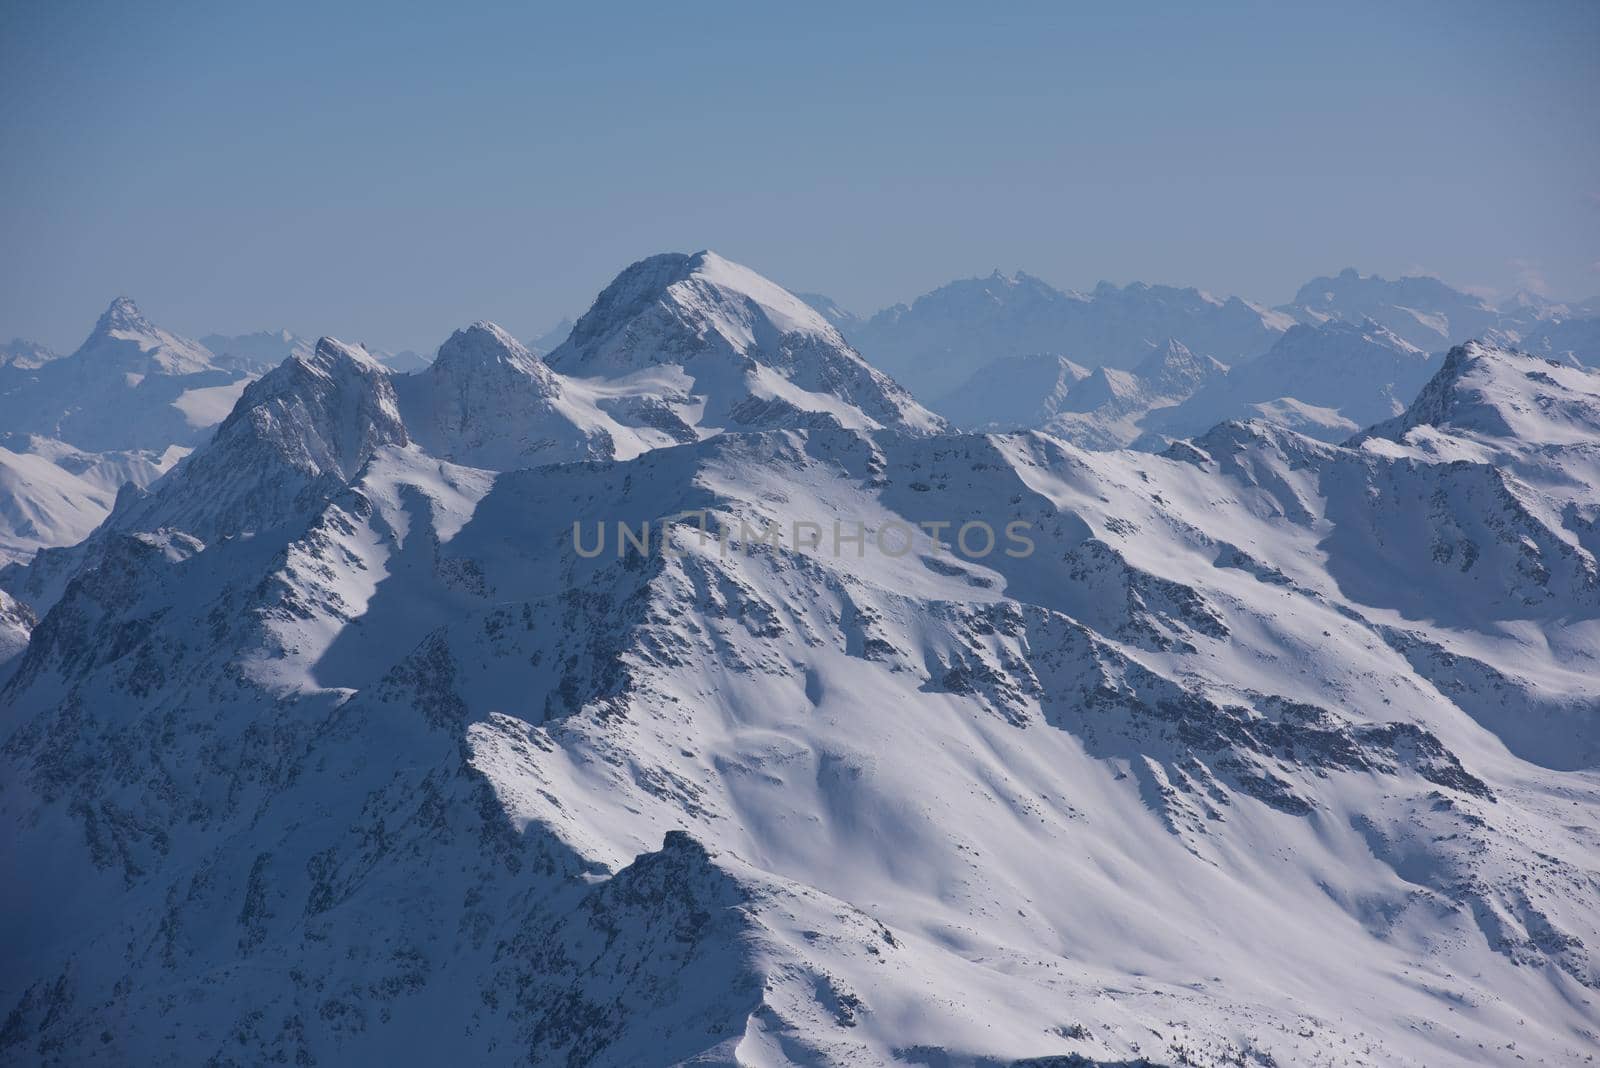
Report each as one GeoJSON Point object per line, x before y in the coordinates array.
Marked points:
{"type": "Point", "coordinates": [689, 345]}
{"type": "Point", "coordinates": [121, 409]}
{"type": "Point", "coordinates": [1326, 381]}
{"type": "Point", "coordinates": [1535, 424]}
{"type": "Point", "coordinates": [297, 436]}
{"type": "Point", "coordinates": [54, 495]}
{"type": "Point", "coordinates": [42, 504]}
{"type": "Point", "coordinates": [1263, 751]}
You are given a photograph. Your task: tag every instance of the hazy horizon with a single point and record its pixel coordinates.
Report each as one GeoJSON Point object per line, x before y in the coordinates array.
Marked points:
{"type": "Point", "coordinates": [199, 331]}
{"type": "Point", "coordinates": [388, 180]}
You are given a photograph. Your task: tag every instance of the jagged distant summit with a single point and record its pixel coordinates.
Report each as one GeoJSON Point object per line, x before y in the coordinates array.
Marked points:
{"type": "Point", "coordinates": [125, 340]}
{"type": "Point", "coordinates": [130, 385]}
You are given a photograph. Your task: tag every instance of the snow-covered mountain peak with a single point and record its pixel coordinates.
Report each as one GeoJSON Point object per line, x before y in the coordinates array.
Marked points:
{"type": "Point", "coordinates": [322, 414]}
{"type": "Point", "coordinates": [1485, 393]}
{"type": "Point", "coordinates": [702, 342]}
{"type": "Point", "coordinates": [485, 347]}
{"type": "Point", "coordinates": [1173, 369]}
{"type": "Point", "coordinates": [334, 357]}
{"type": "Point", "coordinates": [296, 434]}
{"type": "Point", "coordinates": [130, 385]}
{"type": "Point", "coordinates": [702, 296]}
{"type": "Point", "coordinates": [123, 314]}
{"type": "Point", "coordinates": [127, 341]}
{"type": "Point", "coordinates": [489, 402]}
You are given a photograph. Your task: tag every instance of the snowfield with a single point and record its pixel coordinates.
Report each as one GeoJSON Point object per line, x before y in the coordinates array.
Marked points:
{"type": "Point", "coordinates": [330, 747]}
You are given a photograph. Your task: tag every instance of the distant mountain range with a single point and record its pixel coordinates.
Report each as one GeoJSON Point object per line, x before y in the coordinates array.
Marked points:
{"type": "Point", "coordinates": [1006, 352]}
{"type": "Point", "coordinates": [943, 337]}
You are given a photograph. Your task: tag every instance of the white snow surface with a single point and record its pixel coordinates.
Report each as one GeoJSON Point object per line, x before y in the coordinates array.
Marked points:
{"type": "Point", "coordinates": [332, 747]}
{"type": "Point", "coordinates": [53, 495]}
{"type": "Point", "coordinates": [209, 405]}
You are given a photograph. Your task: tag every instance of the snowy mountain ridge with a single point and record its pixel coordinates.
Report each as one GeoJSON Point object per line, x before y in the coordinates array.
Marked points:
{"type": "Point", "coordinates": [1271, 751]}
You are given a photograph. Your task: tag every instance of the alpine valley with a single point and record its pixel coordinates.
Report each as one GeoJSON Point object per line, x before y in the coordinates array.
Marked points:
{"type": "Point", "coordinates": [323, 739]}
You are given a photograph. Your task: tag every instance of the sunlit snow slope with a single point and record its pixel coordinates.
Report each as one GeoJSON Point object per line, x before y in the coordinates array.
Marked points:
{"type": "Point", "coordinates": [1272, 751]}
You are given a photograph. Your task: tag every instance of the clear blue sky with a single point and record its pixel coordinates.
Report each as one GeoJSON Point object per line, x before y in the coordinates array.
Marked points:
{"type": "Point", "coordinates": [387, 172]}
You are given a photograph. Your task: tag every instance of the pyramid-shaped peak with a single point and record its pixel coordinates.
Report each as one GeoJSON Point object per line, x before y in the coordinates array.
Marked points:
{"type": "Point", "coordinates": [1172, 354]}
{"type": "Point", "coordinates": [1171, 349]}
{"type": "Point", "coordinates": [123, 338]}
{"type": "Point", "coordinates": [123, 317]}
